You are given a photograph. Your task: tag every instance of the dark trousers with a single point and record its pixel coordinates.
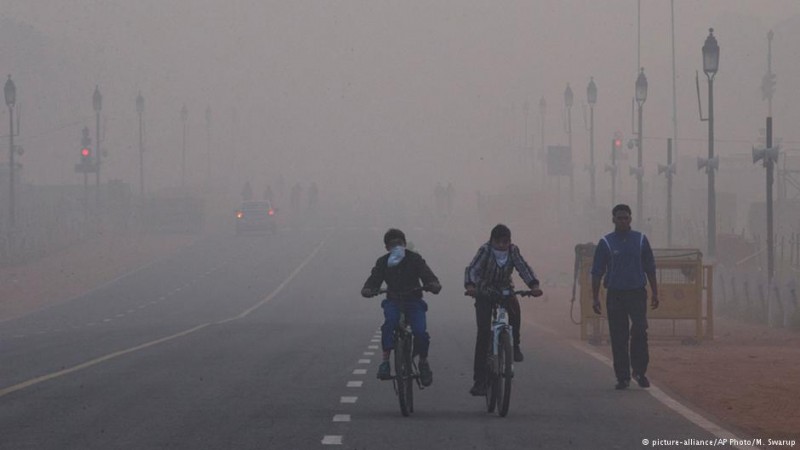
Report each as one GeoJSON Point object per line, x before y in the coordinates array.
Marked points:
{"type": "Point", "coordinates": [483, 319]}
{"type": "Point", "coordinates": [628, 339]}
{"type": "Point", "coordinates": [415, 316]}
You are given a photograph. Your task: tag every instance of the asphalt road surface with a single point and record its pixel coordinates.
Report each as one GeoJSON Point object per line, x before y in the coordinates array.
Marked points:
{"type": "Point", "coordinates": [263, 342]}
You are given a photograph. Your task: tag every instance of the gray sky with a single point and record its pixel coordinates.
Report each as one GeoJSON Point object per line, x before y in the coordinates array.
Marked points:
{"type": "Point", "coordinates": [345, 90]}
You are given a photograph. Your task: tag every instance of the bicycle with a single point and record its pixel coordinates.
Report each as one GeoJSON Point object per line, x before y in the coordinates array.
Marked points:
{"type": "Point", "coordinates": [405, 369]}
{"type": "Point", "coordinates": [500, 359]}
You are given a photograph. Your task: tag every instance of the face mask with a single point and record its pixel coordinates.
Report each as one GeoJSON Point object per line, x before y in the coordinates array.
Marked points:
{"type": "Point", "coordinates": [500, 256]}
{"type": "Point", "coordinates": [396, 254]}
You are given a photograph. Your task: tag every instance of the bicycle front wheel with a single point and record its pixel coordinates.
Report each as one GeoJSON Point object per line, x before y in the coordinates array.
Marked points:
{"type": "Point", "coordinates": [403, 371]}
{"type": "Point", "coordinates": [505, 360]}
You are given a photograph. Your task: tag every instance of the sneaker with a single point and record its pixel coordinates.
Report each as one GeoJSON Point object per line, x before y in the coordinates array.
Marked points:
{"type": "Point", "coordinates": [642, 380]}
{"type": "Point", "coordinates": [518, 354]}
{"type": "Point", "coordinates": [622, 384]}
{"type": "Point", "coordinates": [385, 371]}
{"type": "Point", "coordinates": [425, 374]}
{"type": "Point", "coordinates": [478, 389]}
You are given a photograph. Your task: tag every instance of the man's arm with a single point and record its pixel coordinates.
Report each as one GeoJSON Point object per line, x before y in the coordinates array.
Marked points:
{"type": "Point", "coordinates": [523, 268]}
{"type": "Point", "coordinates": [473, 269]}
{"type": "Point", "coordinates": [376, 277]}
{"type": "Point", "coordinates": [649, 266]}
{"type": "Point", "coordinates": [596, 294]}
{"type": "Point", "coordinates": [429, 279]}
{"type": "Point", "coordinates": [599, 263]}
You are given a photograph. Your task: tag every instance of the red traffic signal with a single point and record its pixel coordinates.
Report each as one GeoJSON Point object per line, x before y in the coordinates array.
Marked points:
{"type": "Point", "coordinates": [85, 152]}
{"type": "Point", "coordinates": [618, 144]}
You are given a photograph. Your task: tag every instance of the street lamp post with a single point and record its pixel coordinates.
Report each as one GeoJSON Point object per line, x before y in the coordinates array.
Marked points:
{"type": "Point", "coordinates": [97, 103]}
{"type": "Point", "coordinates": [710, 66]}
{"type": "Point", "coordinates": [208, 147]}
{"type": "Point", "coordinates": [591, 98]}
{"type": "Point", "coordinates": [568, 99]}
{"type": "Point", "coordinates": [542, 112]}
{"type": "Point", "coordinates": [669, 172]}
{"type": "Point", "coordinates": [641, 96]}
{"type": "Point", "coordinates": [184, 116]}
{"type": "Point", "coordinates": [10, 91]}
{"type": "Point", "coordinates": [140, 111]}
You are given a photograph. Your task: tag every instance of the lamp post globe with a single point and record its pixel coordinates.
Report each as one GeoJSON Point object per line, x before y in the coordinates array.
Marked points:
{"type": "Point", "coordinates": [568, 97]}
{"type": "Point", "coordinates": [97, 99]}
{"type": "Point", "coordinates": [710, 55]}
{"type": "Point", "coordinates": [139, 103]}
{"type": "Point", "coordinates": [10, 91]}
{"type": "Point", "coordinates": [641, 88]}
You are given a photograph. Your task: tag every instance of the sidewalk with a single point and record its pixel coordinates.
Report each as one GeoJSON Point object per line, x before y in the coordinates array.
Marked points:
{"type": "Point", "coordinates": [79, 268]}
{"type": "Point", "coordinates": [747, 379]}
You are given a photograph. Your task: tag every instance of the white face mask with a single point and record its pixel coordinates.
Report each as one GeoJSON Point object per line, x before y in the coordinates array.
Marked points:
{"type": "Point", "coordinates": [396, 254]}
{"type": "Point", "coordinates": [501, 256]}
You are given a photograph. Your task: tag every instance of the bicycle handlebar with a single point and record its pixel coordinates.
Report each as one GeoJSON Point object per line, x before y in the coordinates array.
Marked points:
{"type": "Point", "coordinates": [498, 293]}
{"type": "Point", "coordinates": [401, 293]}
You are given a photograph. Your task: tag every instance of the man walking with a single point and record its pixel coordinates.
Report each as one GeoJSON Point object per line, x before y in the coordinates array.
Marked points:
{"type": "Point", "coordinates": [626, 259]}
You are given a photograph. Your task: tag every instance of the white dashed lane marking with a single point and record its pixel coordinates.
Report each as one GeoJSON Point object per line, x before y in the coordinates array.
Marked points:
{"type": "Point", "coordinates": [355, 383]}
{"type": "Point", "coordinates": [341, 418]}
{"type": "Point", "coordinates": [346, 399]}
{"type": "Point", "coordinates": [359, 371]}
{"type": "Point", "coordinates": [332, 440]}
{"type": "Point", "coordinates": [363, 361]}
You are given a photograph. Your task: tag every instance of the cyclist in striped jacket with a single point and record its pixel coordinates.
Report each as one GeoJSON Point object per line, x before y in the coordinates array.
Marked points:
{"type": "Point", "coordinates": [492, 267]}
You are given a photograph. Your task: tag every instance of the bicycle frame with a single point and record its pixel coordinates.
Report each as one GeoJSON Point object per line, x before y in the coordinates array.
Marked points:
{"type": "Point", "coordinates": [500, 356]}
{"type": "Point", "coordinates": [499, 323]}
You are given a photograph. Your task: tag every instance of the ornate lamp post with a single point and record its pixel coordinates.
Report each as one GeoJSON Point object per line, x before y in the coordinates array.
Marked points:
{"type": "Point", "coordinates": [10, 91]}
{"type": "Point", "coordinates": [568, 99]}
{"type": "Point", "coordinates": [543, 154]}
{"type": "Point", "coordinates": [184, 116]}
{"type": "Point", "coordinates": [591, 98]}
{"type": "Point", "coordinates": [641, 97]}
{"type": "Point", "coordinates": [140, 111]}
{"type": "Point", "coordinates": [710, 66]}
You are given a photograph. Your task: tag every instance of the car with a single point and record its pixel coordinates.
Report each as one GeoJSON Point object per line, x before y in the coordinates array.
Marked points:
{"type": "Point", "coordinates": [256, 216]}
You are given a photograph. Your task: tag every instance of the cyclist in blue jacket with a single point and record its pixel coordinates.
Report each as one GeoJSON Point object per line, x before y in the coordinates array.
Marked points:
{"type": "Point", "coordinates": [402, 270]}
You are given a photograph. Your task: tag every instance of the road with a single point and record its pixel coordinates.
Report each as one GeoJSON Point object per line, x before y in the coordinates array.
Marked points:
{"type": "Point", "coordinates": [262, 342]}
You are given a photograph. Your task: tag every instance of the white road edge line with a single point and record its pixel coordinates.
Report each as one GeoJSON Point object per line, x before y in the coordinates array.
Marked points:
{"type": "Point", "coordinates": [280, 287]}
{"type": "Point", "coordinates": [670, 402]}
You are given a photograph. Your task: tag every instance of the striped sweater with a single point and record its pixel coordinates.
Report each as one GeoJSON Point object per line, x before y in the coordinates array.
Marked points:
{"type": "Point", "coordinates": [484, 270]}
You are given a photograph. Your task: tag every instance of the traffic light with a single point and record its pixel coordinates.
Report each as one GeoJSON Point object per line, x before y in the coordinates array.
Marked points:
{"type": "Point", "coordinates": [617, 144]}
{"type": "Point", "coordinates": [86, 155]}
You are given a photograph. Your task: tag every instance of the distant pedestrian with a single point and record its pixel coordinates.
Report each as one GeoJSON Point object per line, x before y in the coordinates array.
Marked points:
{"type": "Point", "coordinates": [626, 259]}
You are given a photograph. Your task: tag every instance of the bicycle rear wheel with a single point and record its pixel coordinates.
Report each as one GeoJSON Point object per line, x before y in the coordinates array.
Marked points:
{"type": "Point", "coordinates": [505, 359]}
{"type": "Point", "coordinates": [402, 377]}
